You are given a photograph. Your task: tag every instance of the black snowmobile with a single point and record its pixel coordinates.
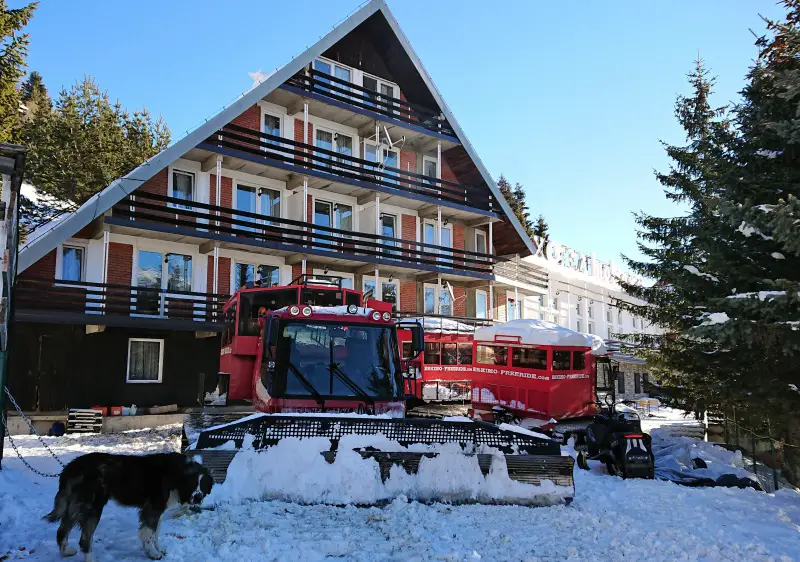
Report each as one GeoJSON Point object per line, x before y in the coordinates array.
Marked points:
{"type": "Point", "coordinates": [615, 437]}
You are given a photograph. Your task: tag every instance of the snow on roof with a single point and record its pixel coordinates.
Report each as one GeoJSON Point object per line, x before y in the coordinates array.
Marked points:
{"type": "Point", "coordinates": [442, 325]}
{"type": "Point", "coordinates": [597, 343]}
{"type": "Point", "coordinates": [533, 332]}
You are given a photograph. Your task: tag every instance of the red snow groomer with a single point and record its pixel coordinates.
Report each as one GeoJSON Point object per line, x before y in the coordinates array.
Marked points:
{"type": "Point", "coordinates": [318, 361]}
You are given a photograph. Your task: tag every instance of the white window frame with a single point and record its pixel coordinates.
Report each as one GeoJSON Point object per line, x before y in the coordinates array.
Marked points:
{"type": "Point", "coordinates": [381, 82]}
{"type": "Point", "coordinates": [171, 188]}
{"type": "Point", "coordinates": [486, 301]}
{"type": "Point", "coordinates": [578, 309]}
{"type": "Point", "coordinates": [235, 262]}
{"type": "Point", "coordinates": [590, 327]}
{"type": "Point", "coordinates": [160, 362]}
{"type": "Point", "coordinates": [380, 154]}
{"type": "Point", "coordinates": [258, 187]}
{"type": "Point", "coordinates": [333, 63]}
{"type": "Point", "coordinates": [59, 273]}
{"type": "Point", "coordinates": [482, 234]}
{"type": "Point", "coordinates": [431, 159]}
{"type": "Point", "coordinates": [435, 288]}
{"type": "Point", "coordinates": [379, 290]}
{"type": "Point", "coordinates": [279, 117]}
{"type": "Point", "coordinates": [342, 274]}
{"type": "Point", "coordinates": [334, 142]}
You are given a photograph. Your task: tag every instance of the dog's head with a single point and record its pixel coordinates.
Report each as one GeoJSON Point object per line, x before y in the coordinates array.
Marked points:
{"type": "Point", "coordinates": [196, 483]}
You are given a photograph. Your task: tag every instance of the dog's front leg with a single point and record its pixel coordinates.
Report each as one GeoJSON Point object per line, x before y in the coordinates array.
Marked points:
{"type": "Point", "coordinates": [150, 519]}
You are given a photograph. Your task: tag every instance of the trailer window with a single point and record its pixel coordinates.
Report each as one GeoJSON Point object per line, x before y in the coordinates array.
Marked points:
{"type": "Point", "coordinates": [449, 354]}
{"type": "Point", "coordinates": [528, 358]}
{"type": "Point", "coordinates": [465, 354]}
{"type": "Point", "coordinates": [431, 353]}
{"type": "Point", "coordinates": [578, 360]}
{"type": "Point", "coordinates": [561, 360]}
{"type": "Point", "coordinates": [492, 355]}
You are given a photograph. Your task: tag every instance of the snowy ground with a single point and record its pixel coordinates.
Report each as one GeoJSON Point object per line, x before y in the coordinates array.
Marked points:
{"type": "Point", "coordinates": [610, 519]}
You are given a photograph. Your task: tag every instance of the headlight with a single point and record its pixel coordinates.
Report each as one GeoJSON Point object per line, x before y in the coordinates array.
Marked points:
{"type": "Point", "coordinates": [306, 311]}
{"type": "Point", "coordinates": [352, 309]}
{"type": "Point", "coordinates": [376, 315]}
{"type": "Point", "coordinates": [387, 316]}
{"type": "Point", "coordinates": [294, 310]}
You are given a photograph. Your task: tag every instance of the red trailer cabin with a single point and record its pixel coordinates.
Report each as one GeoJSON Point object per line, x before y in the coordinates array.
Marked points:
{"type": "Point", "coordinates": [534, 370]}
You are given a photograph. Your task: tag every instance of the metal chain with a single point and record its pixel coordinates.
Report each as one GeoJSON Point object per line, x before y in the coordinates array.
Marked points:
{"type": "Point", "coordinates": [33, 429]}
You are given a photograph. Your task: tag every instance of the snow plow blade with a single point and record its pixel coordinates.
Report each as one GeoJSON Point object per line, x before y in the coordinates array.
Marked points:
{"type": "Point", "coordinates": [487, 464]}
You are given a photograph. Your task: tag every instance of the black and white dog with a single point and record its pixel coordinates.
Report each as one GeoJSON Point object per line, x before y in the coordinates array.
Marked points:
{"type": "Point", "coordinates": [150, 482]}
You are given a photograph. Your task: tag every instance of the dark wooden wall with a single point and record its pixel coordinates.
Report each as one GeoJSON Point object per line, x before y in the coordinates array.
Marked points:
{"type": "Point", "coordinates": [69, 368]}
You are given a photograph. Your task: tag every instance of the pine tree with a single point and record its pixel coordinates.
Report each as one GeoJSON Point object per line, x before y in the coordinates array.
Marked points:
{"type": "Point", "coordinates": [760, 318]}
{"type": "Point", "coordinates": [13, 49]}
{"type": "Point", "coordinates": [85, 143]}
{"type": "Point", "coordinates": [541, 232]}
{"type": "Point", "coordinates": [677, 251]}
{"type": "Point", "coordinates": [516, 200]}
{"type": "Point", "coordinates": [34, 95]}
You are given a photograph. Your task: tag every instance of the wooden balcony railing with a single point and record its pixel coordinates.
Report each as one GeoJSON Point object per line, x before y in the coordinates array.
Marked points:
{"type": "Point", "coordinates": [106, 299]}
{"type": "Point", "coordinates": [342, 167]}
{"type": "Point", "coordinates": [324, 84]}
{"type": "Point", "coordinates": [211, 221]}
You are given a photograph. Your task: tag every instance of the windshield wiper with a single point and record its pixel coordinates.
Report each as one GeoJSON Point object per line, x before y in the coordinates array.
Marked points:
{"type": "Point", "coordinates": [350, 383]}
{"type": "Point", "coordinates": [307, 385]}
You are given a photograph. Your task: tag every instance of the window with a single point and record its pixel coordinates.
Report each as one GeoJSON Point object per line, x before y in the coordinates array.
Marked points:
{"type": "Point", "coordinates": [272, 126]}
{"type": "Point", "coordinates": [579, 326]}
{"type": "Point", "coordinates": [432, 353]}
{"type": "Point", "coordinates": [591, 327]}
{"type": "Point", "coordinates": [258, 201]}
{"type": "Point", "coordinates": [429, 168]}
{"type": "Point", "coordinates": [72, 263]}
{"type": "Point", "coordinates": [445, 302]}
{"type": "Point", "coordinates": [383, 93]}
{"type": "Point", "coordinates": [182, 187]}
{"type": "Point", "coordinates": [621, 382]}
{"type": "Point", "coordinates": [554, 303]}
{"type": "Point", "coordinates": [269, 203]}
{"type": "Point", "coordinates": [383, 158]}
{"type": "Point", "coordinates": [389, 293]}
{"type": "Point", "coordinates": [561, 360]}
{"type": "Point", "coordinates": [637, 383]}
{"type": "Point", "coordinates": [480, 242]}
{"type": "Point", "coordinates": [610, 332]}
{"type": "Point", "coordinates": [179, 272]}
{"type": "Point", "coordinates": [336, 215]}
{"type": "Point", "coordinates": [578, 360]}
{"type": "Point", "coordinates": [428, 233]}
{"type": "Point", "coordinates": [334, 70]}
{"type": "Point", "coordinates": [609, 315]}
{"type": "Point", "coordinates": [541, 301]}
{"type": "Point", "coordinates": [389, 229]}
{"type": "Point", "coordinates": [491, 355]}
{"type": "Point", "coordinates": [155, 272]}
{"type": "Point", "coordinates": [481, 299]}
{"type": "Point", "coordinates": [145, 360]}
{"type": "Point", "coordinates": [578, 309]}
{"type": "Point", "coordinates": [246, 201]}
{"type": "Point", "coordinates": [248, 273]}
{"type": "Point", "coordinates": [449, 354]}
{"type": "Point", "coordinates": [429, 300]}
{"type": "Point", "coordinates": [465, 354]}
{"type": "Point", "coordinates": [369, 287]}
{"type": "Point", "coordinates": [511, 307]}
{"type": "Point", "coordinates": [590, 310]}
{"type": "Point", "coordinates": [619, 317]}
{"type": "Point", "coordinates": [528, 358]}
{"type": "Point", "coordinates": [324, 140]}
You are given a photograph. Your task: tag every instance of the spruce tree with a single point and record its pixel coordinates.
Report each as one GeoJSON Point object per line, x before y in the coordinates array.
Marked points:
{"type": "Point", "coordinates": [541, 232]}
{"type": "Point", "coordinates": [34, 95]}
{"type": "Point", "coordinates": [84, 143]}
{"type": "Point", "coordinates": [677, 249]}
{"type": "Point", "coordinates": [516, 200]}
{"type": "Point", "coordinates": [13, 50]}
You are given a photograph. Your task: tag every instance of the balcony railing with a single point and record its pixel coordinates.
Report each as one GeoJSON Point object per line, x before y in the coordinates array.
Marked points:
{"type": "Point", "coordinates": [443, 323]}
{"type": "Point", "coordinates": [519, 271]}
{"type": "Point", "coordinates": [106, 299]}
{"type": "Point", "coordinates": [336, 166]}
{"type": "Point", "coordinates": [145, 210]}
{"type": "Point", "coordinates": [352, 94]}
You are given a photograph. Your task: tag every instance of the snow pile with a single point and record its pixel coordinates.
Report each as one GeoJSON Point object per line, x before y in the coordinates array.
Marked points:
{"type": "Point", "coordinates": [294, 470]}
{"type": "Point", "coordinates": [532, 332]}
{"type": "Point", "coordinates": [693, 270]}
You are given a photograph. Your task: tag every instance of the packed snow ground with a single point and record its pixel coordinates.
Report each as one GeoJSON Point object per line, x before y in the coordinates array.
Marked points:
{"type": "Point", "coordinates": [610, 519]}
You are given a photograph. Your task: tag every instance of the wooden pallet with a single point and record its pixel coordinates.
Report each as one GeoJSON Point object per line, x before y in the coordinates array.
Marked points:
{"type": "Point", "coordinates": [84, 421]}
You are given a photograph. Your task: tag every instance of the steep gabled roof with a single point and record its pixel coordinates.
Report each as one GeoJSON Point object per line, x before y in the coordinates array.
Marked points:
{"type": "Point", "coordinates": [38, 246]}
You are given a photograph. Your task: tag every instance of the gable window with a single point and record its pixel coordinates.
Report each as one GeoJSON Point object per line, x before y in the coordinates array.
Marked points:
{"type": "Point", "coordinates": [145, 360]}
{"type": "Point", "coordinates": [182, 187]}
{"type": "Point", "coordinates": [72, 263]}
{"type": "Point", "coordinates": [381, 94]}
{"type": "Point", "coordinates": [335, 70]}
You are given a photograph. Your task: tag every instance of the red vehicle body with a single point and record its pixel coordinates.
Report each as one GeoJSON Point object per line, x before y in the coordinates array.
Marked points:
{"type": "Point", "coordinates": [503, 367]}
{"type": "Point", "coordinates": [311, 347]}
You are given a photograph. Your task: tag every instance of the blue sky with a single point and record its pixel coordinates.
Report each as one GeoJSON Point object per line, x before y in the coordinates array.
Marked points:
{"type": "Point", "coordinates": [569, 99]}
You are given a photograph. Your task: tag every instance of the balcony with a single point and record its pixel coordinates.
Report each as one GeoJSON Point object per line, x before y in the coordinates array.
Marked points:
{"type": "Point", "coordinates": [193, 222]}
{"type": "Point", "coordinates": [342, 173]}
{"type": "Point", "coordinates": [333, 90]}
{"type": "Point", "coordinates": [80, 302]}
{"type": "Point", "coordinates": [514, 272]}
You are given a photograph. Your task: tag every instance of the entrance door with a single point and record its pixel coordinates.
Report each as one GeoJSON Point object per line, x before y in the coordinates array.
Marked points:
{"type": "Point", "coordinates": [51, 390]}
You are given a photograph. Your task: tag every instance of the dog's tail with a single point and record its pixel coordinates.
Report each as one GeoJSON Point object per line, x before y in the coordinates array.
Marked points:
{"type": "Point", "coordinates": [59, 508]}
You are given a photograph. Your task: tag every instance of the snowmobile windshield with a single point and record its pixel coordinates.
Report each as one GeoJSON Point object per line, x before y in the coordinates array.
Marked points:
{"type": "Point", "coordinates": [338, 361]}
